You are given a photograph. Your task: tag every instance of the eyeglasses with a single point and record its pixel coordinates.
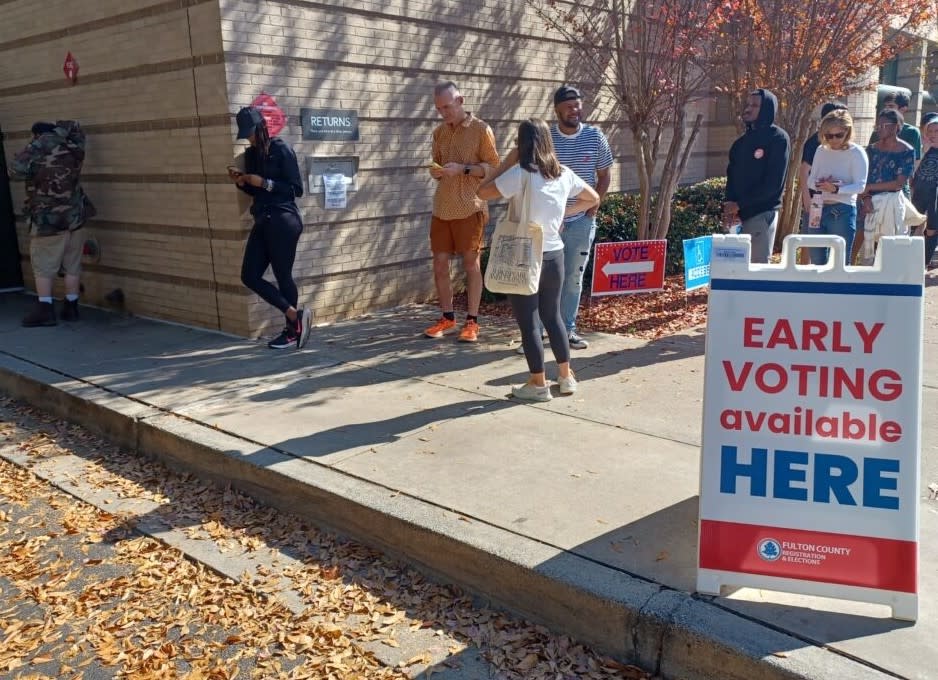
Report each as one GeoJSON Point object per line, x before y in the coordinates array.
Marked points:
{"type": "Point", "coordinates": [835, 135]}
{"type": "Point", "coordinates": [883, 126]}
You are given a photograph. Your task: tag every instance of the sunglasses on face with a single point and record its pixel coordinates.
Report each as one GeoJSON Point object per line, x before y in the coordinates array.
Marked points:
{"type": "Point", "coordinates": [835, 135]}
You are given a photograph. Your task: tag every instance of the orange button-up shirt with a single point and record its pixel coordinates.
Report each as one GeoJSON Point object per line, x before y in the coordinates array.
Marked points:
{"type": "Point", "coordinates": [471, 142]}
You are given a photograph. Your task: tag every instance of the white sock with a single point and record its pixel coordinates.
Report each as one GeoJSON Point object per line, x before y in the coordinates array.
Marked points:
{"type": "Point", "coordinates": [71, 297]}
{"type": "Point", "coordinates": [47, 300]}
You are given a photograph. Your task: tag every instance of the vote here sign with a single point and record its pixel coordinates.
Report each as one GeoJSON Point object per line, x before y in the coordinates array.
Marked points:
{"type": "Point", "coordinates": [629, 267]}
{"type": "Point", "coordinates": [811, 434]}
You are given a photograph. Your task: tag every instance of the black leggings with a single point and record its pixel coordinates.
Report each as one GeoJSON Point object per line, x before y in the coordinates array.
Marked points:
{"type": "Point", "coordinates": [546, 304]}
{"type": "Point", "coordinates": [272, 243]}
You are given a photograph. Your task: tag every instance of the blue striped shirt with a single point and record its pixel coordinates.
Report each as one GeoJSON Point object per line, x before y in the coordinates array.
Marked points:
{"type": "Point", "coordinates": [584, 152]}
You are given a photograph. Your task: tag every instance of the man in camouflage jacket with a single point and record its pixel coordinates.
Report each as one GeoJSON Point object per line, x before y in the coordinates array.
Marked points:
{"type": "Point", "coordinates": [56, 207]}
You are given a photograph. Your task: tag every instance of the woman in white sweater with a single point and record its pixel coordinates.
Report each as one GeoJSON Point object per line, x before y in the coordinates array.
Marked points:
{"type": "Point", "coordinates": [839, 172]}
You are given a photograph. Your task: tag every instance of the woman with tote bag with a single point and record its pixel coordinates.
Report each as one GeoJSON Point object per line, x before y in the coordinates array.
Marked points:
{"type": "Point", "coordinates": [546, 185]}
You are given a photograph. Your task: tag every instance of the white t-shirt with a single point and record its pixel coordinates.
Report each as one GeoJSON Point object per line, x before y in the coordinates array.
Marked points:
{"type": "Point", "coordinates": [548, 199]}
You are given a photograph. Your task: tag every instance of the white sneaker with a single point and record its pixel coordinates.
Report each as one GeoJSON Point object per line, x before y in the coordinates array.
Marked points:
{"type": "Point", "coordinates": [519, 349]}
{"type": "Point", "coordinates": [529, 392]}
{"type": "Point", "coordinates": [567, 385]}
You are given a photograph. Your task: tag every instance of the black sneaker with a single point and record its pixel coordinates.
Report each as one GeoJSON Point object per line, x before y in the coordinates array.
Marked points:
{"type": "Point", "coordinates": [70, 310]}
{"type": "Point", "coordinates": [287, 338]}
{"type": "Point", "coordinates": [304, 322]}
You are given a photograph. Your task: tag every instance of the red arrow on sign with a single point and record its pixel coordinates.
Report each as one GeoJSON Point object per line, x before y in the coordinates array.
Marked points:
{"type": "Point", "coordinates": [628, 267]}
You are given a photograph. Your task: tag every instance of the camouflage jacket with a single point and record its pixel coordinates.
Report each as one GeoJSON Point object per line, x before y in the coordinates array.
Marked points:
{"type": "Point", "coordinates": [51, 165]}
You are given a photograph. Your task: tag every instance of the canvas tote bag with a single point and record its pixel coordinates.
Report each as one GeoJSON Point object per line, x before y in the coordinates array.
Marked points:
{"type": "Point", "coordinates": [516, 253]}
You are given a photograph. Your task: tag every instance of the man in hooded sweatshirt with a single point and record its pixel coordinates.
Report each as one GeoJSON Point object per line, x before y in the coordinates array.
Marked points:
{"type": "Point", "coordinates": [755, 177]}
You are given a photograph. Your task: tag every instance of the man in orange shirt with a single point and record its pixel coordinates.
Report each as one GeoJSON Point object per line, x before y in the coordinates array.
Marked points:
{"type": "Point", "coordinates": [463, 150]}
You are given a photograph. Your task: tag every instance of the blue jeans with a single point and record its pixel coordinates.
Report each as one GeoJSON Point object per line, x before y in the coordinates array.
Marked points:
{"type": "Point", "coordinates": [577, 238]}
{"type": "Point", "coordinates": [837, 219]}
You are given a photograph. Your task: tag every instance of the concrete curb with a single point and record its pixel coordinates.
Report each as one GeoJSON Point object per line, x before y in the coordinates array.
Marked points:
{"type": "Point", "coordinates": [666, 631]}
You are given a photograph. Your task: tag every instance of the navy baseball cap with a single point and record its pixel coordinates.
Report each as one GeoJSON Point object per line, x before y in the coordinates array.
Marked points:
{"type": "Point", "coordinates": [248, 119]}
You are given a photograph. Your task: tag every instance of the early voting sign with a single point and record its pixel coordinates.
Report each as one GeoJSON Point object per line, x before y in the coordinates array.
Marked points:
{"type": "Point", "coordinates": [629, 267]}
{"type": "Point", "coordinates": [811, 433]}
{"type": "Point", "coordinates": [697, 262]}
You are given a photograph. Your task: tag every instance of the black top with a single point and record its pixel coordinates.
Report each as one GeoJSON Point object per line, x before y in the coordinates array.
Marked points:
{"type": "Point", "coordinates": [810, 148]}
{"type": "Point", "coordinates": [279, 166]}
{"type": "Point", "coordinates": [755, 176]}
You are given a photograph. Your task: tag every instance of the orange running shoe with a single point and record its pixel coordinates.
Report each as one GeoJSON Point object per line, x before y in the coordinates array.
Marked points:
{"type": "Point", "coordinates": [440, 328]}
{"type": "Point", "coordinates": [469, 332]}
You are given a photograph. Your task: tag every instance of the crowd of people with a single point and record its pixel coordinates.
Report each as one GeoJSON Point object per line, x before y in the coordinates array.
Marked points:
{"type": "Point", "coordinates": [857, 193]}
{"type": "Point", "coordinates": [563, 168]}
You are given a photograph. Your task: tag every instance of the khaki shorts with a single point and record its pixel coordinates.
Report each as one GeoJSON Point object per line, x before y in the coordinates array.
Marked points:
{"type": "Point", "coordinates": [457, 236]}
{"type": "Point", "coordinates": [50, 253]}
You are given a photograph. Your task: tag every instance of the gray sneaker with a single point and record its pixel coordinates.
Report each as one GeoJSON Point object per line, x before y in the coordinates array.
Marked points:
{"type": "Point", "coordinates": [577, 341]}
{"type": "Point", "coordinates": [529, 392]}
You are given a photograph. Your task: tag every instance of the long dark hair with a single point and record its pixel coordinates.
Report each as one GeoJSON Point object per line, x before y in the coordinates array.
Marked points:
{"type": "Point", "coordinates": [262, 142]}
{"type": "Point", "coordinates": [536, 149]}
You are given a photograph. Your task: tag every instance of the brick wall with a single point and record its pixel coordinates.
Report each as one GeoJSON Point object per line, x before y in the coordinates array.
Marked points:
{"type": "Point", "coordinates": [159, 83]}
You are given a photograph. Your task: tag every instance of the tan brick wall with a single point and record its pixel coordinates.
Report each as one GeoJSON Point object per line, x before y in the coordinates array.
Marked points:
{"type": "Point", "coordinates": [160, 80]}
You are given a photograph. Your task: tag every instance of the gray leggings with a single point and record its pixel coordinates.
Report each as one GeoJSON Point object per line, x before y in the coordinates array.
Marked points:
{"type": "Point", "coordinates": [546, 304]}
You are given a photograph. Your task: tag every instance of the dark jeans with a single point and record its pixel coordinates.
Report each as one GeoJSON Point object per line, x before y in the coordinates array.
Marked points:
{"type": "Point", "coordinates": [272, 243]}
{"type": "Point", "coordinates": [924, 199]}
{"type": "Point", "coordinates": [546, 304]}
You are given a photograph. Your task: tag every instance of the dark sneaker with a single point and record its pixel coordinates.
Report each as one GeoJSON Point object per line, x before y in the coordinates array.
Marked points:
{"type": "Point", "coordinates": [577, 342]}
{"type": "Point", "coordinates": [287, 338]}
{"type": "Point", "coordinates": [304, 322]}
{"type": "Point", "coordinates": [70, 310]}
{"type": "Point", "coordinates": [43, 314]}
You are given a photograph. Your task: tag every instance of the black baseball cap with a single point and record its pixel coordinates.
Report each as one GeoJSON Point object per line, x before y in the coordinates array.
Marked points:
{"type": "Point", "coordinates": [248, 119]}
{"type": "Point", "coordinates": [565, 93]}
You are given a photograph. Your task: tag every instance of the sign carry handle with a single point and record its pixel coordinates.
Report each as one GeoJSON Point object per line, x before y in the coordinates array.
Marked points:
{"type": "Point", "coordinates": [791, 244]}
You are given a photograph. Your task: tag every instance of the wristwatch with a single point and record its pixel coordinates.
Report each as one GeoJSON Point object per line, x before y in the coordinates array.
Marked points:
{"type": "Point", "coordinates": [467, 170]}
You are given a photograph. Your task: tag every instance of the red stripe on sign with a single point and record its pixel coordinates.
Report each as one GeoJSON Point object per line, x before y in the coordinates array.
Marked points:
{"type": "Point", "coordinates": [882, 563]}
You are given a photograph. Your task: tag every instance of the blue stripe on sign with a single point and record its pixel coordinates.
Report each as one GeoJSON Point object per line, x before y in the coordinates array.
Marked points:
{"type": "Point", "coordinates": [893, 289]}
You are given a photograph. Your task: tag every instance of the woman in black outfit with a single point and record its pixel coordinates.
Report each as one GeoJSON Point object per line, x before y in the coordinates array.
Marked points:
{"type": "Point", "coordinates": [272, 179]}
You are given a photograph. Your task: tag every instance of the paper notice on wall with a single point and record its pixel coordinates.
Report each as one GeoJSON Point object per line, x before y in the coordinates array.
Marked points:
{"type": "Point", "coordinates": [335, 192]}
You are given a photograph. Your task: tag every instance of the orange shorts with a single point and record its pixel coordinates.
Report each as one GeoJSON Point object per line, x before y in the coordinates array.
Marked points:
{"type": "Point", "coordinates": [457, 236]}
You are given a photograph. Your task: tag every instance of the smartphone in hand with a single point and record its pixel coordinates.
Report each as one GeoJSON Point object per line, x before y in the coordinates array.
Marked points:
{"type": "Point", "coordinates": [234, 171]}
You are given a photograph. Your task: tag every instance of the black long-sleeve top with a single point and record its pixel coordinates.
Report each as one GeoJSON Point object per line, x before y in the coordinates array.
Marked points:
{"type": "Point", "coordinates": [281, 167]}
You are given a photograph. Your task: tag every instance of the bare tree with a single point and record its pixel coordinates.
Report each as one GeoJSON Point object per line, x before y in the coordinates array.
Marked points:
{"type": "Point", "coordinates": [652, 59]}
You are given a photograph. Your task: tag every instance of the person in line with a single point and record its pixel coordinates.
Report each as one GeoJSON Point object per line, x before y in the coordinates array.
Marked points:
{"type": "Point", "coordinates": [272, 179]}
{"type": "Point", "coordinates": [463, 151]}
{"type": "Point", "coordinates": [57, 208]}
{"type": "Point", "coordinates": [891, 163]}
{"type": "Point", "coordinates": [755, 176]}
{"type": "Point", "coordinates": [909, 134]}
{"type": "Point", "coordinates": [807, 158]}
{"type": "Point", "coordinates": [551, 188]}
{"type": "Point", "coordinates": [585, 150]}
{"type": "Point", "coordinates": [839, 172]}
{"type": "Point", "coordinates": [925, 185]}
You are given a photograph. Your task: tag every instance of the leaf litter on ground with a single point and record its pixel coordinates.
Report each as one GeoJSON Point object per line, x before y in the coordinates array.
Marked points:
{"type": "Point", "coordinates": [143, 610]}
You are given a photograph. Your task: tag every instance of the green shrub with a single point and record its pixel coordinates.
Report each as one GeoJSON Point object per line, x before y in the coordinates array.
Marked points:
{"type": "Point", "coordinates": [696, 211]}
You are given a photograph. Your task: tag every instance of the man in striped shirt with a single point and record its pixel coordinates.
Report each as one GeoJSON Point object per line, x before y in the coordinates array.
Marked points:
{"type": "Point", "coordinates": [585, 150]}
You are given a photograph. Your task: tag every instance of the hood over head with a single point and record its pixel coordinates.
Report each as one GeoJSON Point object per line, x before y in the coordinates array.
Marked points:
{"type": "Point", "coordinates": [767, 111]}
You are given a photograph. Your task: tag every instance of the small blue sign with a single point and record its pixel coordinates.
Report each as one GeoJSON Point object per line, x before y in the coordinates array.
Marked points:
{"type": "Point", "coordinates": [697, 262]}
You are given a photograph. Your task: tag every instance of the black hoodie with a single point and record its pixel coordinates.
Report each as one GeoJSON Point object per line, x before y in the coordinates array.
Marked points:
{"type": "Point", "coordinates": [755, 177]}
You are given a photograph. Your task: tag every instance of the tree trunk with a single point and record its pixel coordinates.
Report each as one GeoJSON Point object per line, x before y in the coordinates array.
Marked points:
{"type": "Point", "coordinates": [641, 141]}
{"type": "Point", "coordinates": [673, 170]}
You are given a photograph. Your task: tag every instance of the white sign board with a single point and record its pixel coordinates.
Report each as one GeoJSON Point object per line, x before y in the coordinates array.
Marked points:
{"type": "Point", "coordinates": [810, 466]}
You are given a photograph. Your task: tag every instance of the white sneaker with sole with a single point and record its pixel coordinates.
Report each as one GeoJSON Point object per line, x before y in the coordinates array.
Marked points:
{"type": "Point", "coordinates": [529, 392]}
{"type": "Point", "coordinates": [567, 385]}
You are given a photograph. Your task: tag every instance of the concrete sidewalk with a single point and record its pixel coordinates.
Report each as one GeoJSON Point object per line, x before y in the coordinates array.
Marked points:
{"type": "Point", "coordinates": [580, 513]}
